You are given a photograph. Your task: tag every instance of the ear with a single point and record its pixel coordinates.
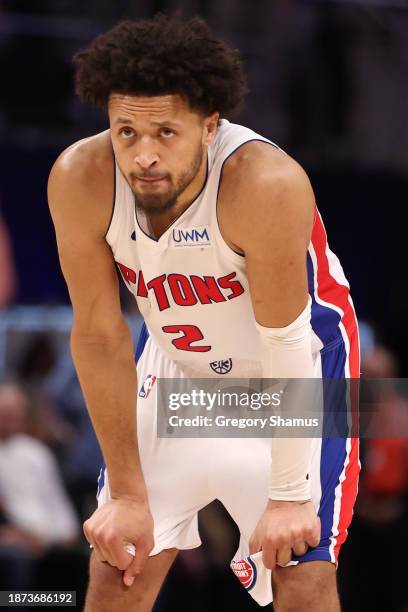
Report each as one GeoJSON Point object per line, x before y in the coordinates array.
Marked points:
{"type": "Point", "coordinates": [210, 128]}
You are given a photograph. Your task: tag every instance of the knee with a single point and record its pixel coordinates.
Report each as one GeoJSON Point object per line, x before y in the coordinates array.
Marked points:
{"type": "Point", "coordinates": [308, 587]}
{"type": "Point", "coordinates": [104, 580]}
{"type": "Point", "coordinates": [103, 575]}
{"type": "Point", "coordinates": [107, 590]}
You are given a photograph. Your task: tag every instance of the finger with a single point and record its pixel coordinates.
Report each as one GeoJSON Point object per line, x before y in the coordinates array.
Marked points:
{"type": "Point", "coordinates": [299, 548]}
{"type": "Point", "coordinates": [137, 565]}
{"type": "Point", "coordinates": [254, 545]}
{"type": "Point", "coordinates": [314, 536]}
{"type": "Point", "coordinates": [103, 544]}
{"type": "Point", "coordinates": [109, 547]}
{"type": "Point", "coordinates": [269, 556]}
{"type": "Point", "coordinates": [88, 532]}
{"type": "Point", "coordinates": [283, 556]}
{"type": "Point", "coordinates": [100, 554]}
{"type": "Point", "coordinates": [118, 556]}
{"type": "Point", "coordinates": [131, 572]}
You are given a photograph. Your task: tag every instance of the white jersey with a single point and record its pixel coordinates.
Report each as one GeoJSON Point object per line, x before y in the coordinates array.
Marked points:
{"type": "Point", "coordinates": [192, 288]}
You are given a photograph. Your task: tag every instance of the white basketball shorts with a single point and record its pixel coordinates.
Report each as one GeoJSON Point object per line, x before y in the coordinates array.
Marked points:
{"type": "Point", "coordinates": [185, 474]}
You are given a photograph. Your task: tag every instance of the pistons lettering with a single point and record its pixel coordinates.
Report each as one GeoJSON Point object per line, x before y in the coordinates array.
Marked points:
{"type": "Point", "coordinates": [181, 290]}
{"type": "Point", "coordinates": [207, 289]}
{"type": "Point", "coordinates": [184, 290]}
{"type": "Point", "coordinates": [157, 285]}
{"type": "Point", "coordinates": [129, 275]}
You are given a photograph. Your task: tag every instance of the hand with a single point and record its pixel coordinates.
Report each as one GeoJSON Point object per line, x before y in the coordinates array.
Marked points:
{"type": "Point", "coordinates": [285, 527]}
{"type": "Point", "coordinates": [119, 522]}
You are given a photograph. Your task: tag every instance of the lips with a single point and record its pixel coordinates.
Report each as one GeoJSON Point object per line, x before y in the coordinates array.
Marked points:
{"type": "Point", "coordinates": [151, 179]}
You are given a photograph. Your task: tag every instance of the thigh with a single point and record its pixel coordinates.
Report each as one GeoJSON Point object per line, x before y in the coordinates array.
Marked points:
{"type": "Point", "coordinates": [106, 591]}
{"type": "Point", "coordinates": [307, 587]}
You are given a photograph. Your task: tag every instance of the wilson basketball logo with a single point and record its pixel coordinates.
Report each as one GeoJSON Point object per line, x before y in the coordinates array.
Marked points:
{"type": "Point", "coordinates": [245, 571]}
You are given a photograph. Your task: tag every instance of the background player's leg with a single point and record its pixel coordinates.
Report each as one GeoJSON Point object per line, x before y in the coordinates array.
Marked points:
{"type": "Point", "coordinates": [106, 591]}
{"type": "Point", "coordinates": [306, 587]}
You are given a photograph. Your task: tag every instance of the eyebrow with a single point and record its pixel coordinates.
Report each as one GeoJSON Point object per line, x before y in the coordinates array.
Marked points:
{"type": "Point", "coordinates": [123, 120]}
{"type": "Point", "coordinates": [126, 121]}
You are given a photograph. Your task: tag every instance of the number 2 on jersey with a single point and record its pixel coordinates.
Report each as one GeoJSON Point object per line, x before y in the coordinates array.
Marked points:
{"type": "Point", "coordinates": [190, 334]}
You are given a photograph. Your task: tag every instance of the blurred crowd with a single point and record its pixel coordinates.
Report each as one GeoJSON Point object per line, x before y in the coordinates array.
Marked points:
{"type": "Point", "coordinates": [328, 83]}
{"type": "Point", "coordinates": [327, 78]}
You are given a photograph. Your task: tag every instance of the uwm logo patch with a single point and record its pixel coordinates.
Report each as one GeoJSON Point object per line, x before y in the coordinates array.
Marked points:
{"type": "Point", "coordinates": [147, 386]}
{"type": "Point", "coordinates": [245, 571]}
{"type": "Point", "coordinates": [196, 236]}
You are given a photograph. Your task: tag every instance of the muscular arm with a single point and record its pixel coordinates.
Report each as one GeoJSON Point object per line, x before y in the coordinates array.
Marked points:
{"type": "Point", "coordinates": [80, 197]}
{"type": "Point", "coordinates": [266, 211]}
{"type": "Point", "coordinates": [273, 208]}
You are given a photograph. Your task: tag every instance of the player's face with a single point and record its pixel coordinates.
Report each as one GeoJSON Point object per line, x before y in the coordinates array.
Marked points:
{"type": "Point", "coordinates": [160, 145]}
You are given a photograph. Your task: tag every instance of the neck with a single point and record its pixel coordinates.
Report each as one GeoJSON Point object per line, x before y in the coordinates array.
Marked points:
{"type": "Point", "coordinates": [159, 223]}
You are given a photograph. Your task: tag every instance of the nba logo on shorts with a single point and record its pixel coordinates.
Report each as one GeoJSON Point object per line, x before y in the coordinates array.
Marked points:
{"type": "Point", "coordinates": [147, 386]}
{"type": "Point", "coordinates": [245, 571]}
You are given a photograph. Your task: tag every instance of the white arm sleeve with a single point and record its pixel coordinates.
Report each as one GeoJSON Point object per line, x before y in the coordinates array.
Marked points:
{"type": "Point", "coordinates": [287, 353]}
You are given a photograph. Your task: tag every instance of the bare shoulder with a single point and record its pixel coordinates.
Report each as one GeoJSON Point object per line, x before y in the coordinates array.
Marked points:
{"type": "Point", "coordinates": [81, 183]}
{"type": "Point", "coordinates": [261, 187]}
{"type": "Point", "coordinates": [259, 166]}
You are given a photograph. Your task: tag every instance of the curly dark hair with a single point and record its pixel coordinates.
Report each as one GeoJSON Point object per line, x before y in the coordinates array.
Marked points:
{"type": "Point", "coordinates": [159, 56]}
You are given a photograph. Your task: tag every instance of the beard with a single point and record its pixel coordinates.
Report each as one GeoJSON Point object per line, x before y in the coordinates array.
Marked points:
{"type": "Point", "coordinates": [157, 203]}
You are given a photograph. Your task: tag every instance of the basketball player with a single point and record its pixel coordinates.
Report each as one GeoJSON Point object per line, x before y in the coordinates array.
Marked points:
{"type": "Point", "coordinates": [216, 233]}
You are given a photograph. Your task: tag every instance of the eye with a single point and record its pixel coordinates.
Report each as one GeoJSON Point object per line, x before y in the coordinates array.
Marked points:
{"type": "Point", "coordinates": [127, 133]}
{"type": "Point", "coordinates": [166, 132]}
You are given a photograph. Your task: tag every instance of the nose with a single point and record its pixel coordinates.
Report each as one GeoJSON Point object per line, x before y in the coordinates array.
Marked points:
{"type": "Point", "coordinates": [146, 157]}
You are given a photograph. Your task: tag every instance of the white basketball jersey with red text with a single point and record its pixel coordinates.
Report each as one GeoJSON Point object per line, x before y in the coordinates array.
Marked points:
{"type": "Point", "coordinates": [192, 289]}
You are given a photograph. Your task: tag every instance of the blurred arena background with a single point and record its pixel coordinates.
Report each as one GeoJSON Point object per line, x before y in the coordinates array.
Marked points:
{"type": "Point", "coordinates": [328, 82]}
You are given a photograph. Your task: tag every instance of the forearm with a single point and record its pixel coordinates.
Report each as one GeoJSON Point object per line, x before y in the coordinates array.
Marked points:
{"type": "Point", "coordinates": [287, 354]}
{"type": "Point", "coordinates": [107, 373]}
